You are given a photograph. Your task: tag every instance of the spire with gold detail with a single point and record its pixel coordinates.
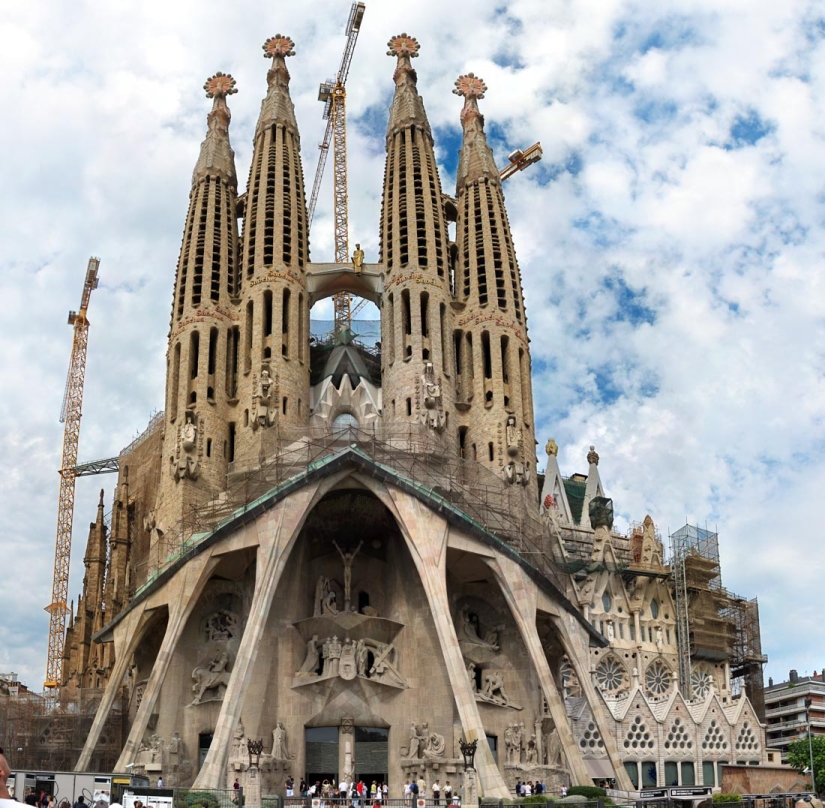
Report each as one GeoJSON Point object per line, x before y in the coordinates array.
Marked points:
{"type": "Point", "coordinates": [407, 106]}
{"type": "Point", "coordinates": [277, 107]}
{"type": "Point", "coordinates": [476, 157]}
{"type": "Point", "coordinates": [416, 321]}
{"type": "Point", "coordinates": [217, 158]}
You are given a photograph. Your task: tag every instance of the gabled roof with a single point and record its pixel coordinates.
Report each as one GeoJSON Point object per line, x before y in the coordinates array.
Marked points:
{"type": "Point", "coordinates": [353, 458]}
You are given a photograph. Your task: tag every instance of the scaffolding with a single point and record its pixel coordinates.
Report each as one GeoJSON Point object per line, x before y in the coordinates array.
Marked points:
{"type": "Point", "coordinates": [712, 623]}
{"type": "Point", "coordinates": [411, 455]}
{"type": "Point", "coordinates": [40, 737]}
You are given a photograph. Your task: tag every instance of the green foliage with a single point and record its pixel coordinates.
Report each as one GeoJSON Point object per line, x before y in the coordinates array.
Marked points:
{"type": "Point", "coordinates": [538, 799]}
{"type": "Point", "coordinates": [727, 798]}
{"type": "Point", "coordinates": [196, 799]}
{"type": "Point", "coordinates": [590, 792]}
{"type": "Point", "coordinates": [799, 757]}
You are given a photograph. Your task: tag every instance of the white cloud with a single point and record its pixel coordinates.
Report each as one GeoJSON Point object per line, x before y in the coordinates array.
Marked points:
{"type": "Point", "coordinates": [674, 286]}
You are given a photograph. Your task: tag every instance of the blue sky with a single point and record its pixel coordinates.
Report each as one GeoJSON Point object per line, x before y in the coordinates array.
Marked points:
{"type": "Point", "coordinates": [671, 245]}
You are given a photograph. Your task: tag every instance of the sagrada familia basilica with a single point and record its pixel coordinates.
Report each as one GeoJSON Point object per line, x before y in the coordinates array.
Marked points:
{"type": "Point", "coordinates": [350, 551]}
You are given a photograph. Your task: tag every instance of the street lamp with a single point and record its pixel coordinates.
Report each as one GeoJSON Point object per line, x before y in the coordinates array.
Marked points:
{"type": "Point", "coordinates": [255, 748]}
{"type": "Point", "coordinates": [808, 703]}
{"type": "Point", "coordinates": [468, 751]}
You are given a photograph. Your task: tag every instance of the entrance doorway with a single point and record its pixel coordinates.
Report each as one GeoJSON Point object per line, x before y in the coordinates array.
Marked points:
{"type": "Point", "coordinates": [204, 742]}
{"type": "Point", "coordinates": [321, 754]}
{"type": "Point", "coordinates": [371, 754]}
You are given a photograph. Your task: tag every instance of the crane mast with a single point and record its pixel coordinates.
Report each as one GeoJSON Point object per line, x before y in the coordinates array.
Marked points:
{"type": "Point", "coordinates": [334, 96]}
{"type": "Point", "coordinates": [70, 416]}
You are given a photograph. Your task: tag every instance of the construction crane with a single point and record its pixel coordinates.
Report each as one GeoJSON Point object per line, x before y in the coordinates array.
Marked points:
{"type": "Point", "coordinates": [334, 97]}
{"type": "Point", "coordinates": [70, 416]}
{"type": "Point", "coordinates": [519, 160]}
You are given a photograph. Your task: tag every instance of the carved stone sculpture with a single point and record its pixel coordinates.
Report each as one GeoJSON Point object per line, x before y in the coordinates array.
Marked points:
{"type": "Point", "coordinates": [215, 677]}
{"type": "Point", "coordinates": [493, 691]}
{"type": "Point", "coordinates": [532, 752]}
{"type": "Point", "coordinates": [424, 744]}
{"type": "Point", "coordinates": [513, 434]}
{"type": "Point", "coordinates": [348, 558]}
{"type": "Point", "coordinates": [280, 750]}
{"type": "Point", "coordinates": [325, 598]}
{"type": "Point", "coordinates": [188, 464]}
{"type": "Point", "coordinates": [358, 259]}
{"type": "Point", "coordinates": [265, 400]}
{"type": "Point", "coordinates": [222, 626]}
{"type": "Point", "coordinates": [310, 666]}
{"type": "Point", "coordinates": [334, 653]}
{"type": "Point", "coordinates": [471, 631]}
{"type": "Point", "coordinates": [433, 415]}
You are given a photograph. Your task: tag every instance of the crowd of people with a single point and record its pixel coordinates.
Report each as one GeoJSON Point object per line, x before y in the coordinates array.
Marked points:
{"type": "Point", "coordinates": [359, 794]}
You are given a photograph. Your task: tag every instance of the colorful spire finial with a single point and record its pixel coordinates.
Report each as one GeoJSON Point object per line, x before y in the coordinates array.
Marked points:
{"type": "Point", "coordinates": [403, 45]}
{"type": "Point", "coordinates": [470, 86]}
{"type": "Point", "coordinates": [220, 85]}
{"type": "Point", "coordinates": [278, 45]}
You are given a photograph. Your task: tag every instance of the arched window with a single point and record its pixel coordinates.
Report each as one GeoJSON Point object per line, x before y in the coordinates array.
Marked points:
{"type": "Point", "coordinates": [344, 420]}
{"type": "Point", "coordinates": [654, 608]}
{"type": "Point", "coordinates": [606, 601]}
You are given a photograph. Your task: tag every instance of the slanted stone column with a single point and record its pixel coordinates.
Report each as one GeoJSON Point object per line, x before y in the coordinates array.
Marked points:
{"type": "Point", "coordinates": [127, 636]}
{"type": "Point", "coordinates": [520, 594]}
{"type": "Point", "coordinates": [576, 646]}
{"type": "Point", "coordinates": [426, 535]}
{"type": "Point", "coordinates": [182, 593]}
{"type": "Point", "coordinates": [277, 531]}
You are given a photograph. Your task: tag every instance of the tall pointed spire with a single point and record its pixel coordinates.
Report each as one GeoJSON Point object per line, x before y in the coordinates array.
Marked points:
{"type": "Point", "coordinates": [476, 157]}
{"type": "Point", "coordinates": [594, 487]}
{"type": "Point", "coordinates": [416, 321]}
{"type": "Point", "coordinates": [277, 107]}
{"type": "Point", "coordinates": [493, 378]}
{"type": "Point", "coordinates": [407, 106]}
{"type": "Point", "coordinates": [217, 158]}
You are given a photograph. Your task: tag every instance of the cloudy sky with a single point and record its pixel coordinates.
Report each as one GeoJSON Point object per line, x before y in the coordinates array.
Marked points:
{"type": "Point", "coordinates": [671, 245]}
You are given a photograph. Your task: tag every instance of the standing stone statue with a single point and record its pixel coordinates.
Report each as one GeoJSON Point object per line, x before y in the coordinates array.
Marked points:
{"type": "Point", "coordinates": [188, 465]}
{"type": "Point", "coordinates": [348, 558]}
{"type": "Point", "coordinates": [280, 751]}
{"type": "Point", "coordinates": [358, 259]}
{"type": "Point", "coordinates": [265, 409]}
{"type": "Point", "coordinates": [310, 666]}
{"type": "Point", "coordinates": [335, 648]}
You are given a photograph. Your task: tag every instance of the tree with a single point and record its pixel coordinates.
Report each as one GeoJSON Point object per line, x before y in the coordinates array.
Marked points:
{"type": "Point", "coordinates": [799, 757]}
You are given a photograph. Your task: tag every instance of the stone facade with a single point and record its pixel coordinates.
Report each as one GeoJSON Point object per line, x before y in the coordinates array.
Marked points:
{"type": "Point", "coordinates": [367, 592]}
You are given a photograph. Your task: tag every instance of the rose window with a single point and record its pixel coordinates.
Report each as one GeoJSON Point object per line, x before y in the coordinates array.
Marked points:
{"type": "Point", "coordinates": [701, 682]}
{"type": "Point", "coordinates": [610, 675]}
{"type": "Point", "coordinates": [658, 678]}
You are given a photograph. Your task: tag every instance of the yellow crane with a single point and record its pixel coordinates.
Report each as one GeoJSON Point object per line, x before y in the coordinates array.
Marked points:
{"type": "Point", "coordinates": [519, 160]}
{"type": "Point", "coordinates": [334, 96]}
{"type": "Point", "coordinates": [70, 416]}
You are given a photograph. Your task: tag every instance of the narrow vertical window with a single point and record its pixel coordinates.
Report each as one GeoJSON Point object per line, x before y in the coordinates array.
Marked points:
{"type": "Point", "coordinates": [267, 313]}
{"type": "Point", "coordinates": [445, 363]}
{"type": "Point", "coordinates": [406, 317]}
{"type": "Point", "coordinates": [194, 350]}
{"type": "Point", "coordinates": [231, 449]}
{"type": "Point", "coordinates": [488, 359]}
{"type": "Point", "coordinates": [175, 386]}
{"type": "Point", "coordinates": [213, 350]}
{"type": "Point", "coordinates": [425, 306]}
{"type": "Point", "coordinates": [462, 441]}
{"type": "Point", "coordinates": [301, 339]}
{"type": "Point", "coordinates": [285, 314]}
{"type": "Point", "coordinates": [247, 359]}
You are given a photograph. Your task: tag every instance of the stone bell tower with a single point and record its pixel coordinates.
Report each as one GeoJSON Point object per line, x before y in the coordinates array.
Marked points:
{"type": "Point", "coordinates": [493, 391]}
{"type": "Point", "coordinates": [415, 312]}
{"type": "Point", "coordinates": [201, 355]}
{"type": "Point", "coordinates": [274, 309]}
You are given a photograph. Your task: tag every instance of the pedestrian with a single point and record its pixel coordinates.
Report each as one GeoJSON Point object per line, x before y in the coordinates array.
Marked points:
{"type": "Point", "coordinates": [160, 782]}
{"type": "Point", "coordinates": [5, 772]}
{"type": "Point", "coordinates": [289, 785]}
{"type": "Point", "coordinates": [80, 802]}
{"type": "Point", "coordinates": [413, 791]}
{"type": "Point", "coordinates": [518, 788]}
{"type": "Point", "coordinates": [448, 793]}
{"type": "Point", "coordinates": [564, 791]}
{"type": "Point", "coordinates": [436, 792]}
